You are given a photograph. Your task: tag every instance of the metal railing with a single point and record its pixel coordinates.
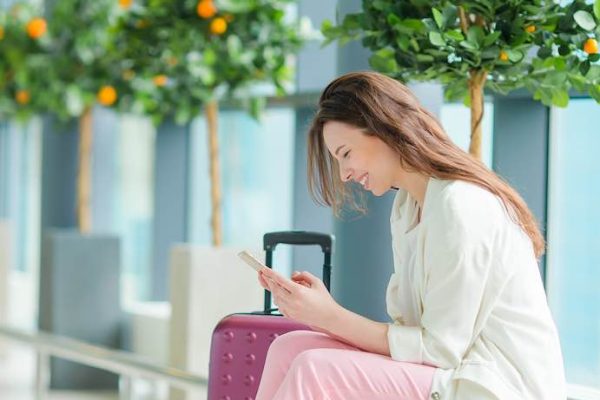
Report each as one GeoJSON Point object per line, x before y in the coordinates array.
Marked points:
{"type": "Point", "coordinates": [128, 365]}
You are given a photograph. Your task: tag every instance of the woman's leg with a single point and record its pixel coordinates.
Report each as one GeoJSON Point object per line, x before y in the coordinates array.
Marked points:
{"type": "Point", "coordinates": [338, 374]}
{"type": "Point", "coordinates": [306, 365]}
{"type": "Point", "coordinates": [282, 353]}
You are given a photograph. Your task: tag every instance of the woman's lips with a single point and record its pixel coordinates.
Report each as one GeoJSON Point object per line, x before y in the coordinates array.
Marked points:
{"type": "Point", "coordinates": [364, 181]}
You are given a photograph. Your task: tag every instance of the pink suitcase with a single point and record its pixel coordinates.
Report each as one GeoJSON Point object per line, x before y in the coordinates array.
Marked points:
{"type": "Point", "coordinates": [240, 341]}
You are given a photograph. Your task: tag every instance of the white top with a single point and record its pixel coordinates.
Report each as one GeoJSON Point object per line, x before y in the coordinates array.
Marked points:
{"type": "Point", "coordinates": [467, 297]}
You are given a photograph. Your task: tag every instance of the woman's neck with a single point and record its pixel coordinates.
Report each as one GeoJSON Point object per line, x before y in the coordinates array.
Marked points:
{"type": "Point", "coordinates": [416, 185]}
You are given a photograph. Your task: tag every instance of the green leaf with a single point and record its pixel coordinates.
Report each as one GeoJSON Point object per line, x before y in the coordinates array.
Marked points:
{"type": "Point", "coordinates": [585, 20]}
{"type": "Point", "coordinates": [560, 97]}
{"type": "Point", "coordinates": [595, 92]}
{"type": "Point", "coordinates": [455, 35]}
{"type": "Point", "coordinates": [408, 26]}
{"type": "Point", "coordinates": [384, 61]}
{"type": "Point", "coordinates": [436, 39]}
{"type": "Point", "coordinates": [597, 9]}
{"type": "Point", "coordinates": [584, 67]}
{"type": "Point", "coordinates": [594, 57]}
{"type": "Point", "coordinates": [450, 13]}
{"type": "Point", "coordinates": [437, 16]}
{"type": "Point", "coordinates": [380, 5]}
{"type": "Point", "coordinates": [514, 55]}
{"type": "Point", "coordinates": [424, 58]}
{"type": "Point", "coordinates": [256, 107]}
{"type": "Point", "coordinates": [544, 52]}
{"type": "Point", "coordinates": [560, 64]}
{"type": "Point", "coordinates": [468, 45]}
{"type": "Point", "coordinates": [475, 35]}
{"type": "Point", "coordinates": [491, 38]}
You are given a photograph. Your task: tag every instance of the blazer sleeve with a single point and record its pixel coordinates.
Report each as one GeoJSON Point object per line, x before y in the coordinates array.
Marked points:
{"type": "Point", "coordinates": [457, 260]}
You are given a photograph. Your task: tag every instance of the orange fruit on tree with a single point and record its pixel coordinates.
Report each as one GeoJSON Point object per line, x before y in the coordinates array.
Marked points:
{"type": "Point", "coordinates": [503, 56]}
{"type": "Point", "coordinates": [1, 32]}
{"type": "Point", "coordinates": [160, 80]}
{"type": "Point", "coordinates": [218, 26]}
{"type": "Point", "coordinates": [36, 28]}
{"type": "Point", "coordinates": [107, 95]}
{"type": "Point", "coordinates": [22, 97]}
{"type": "Point", "coordinates": [530, 29]}
{"type": "Point", "coordinates": [125, 4]}
{"type": "Point", "coordinates": [591, 46]}
{"type": "Point", "coordinates": [206, 9]}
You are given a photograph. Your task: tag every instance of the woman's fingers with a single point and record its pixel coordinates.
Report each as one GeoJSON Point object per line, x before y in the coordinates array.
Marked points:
{"type": "Point", "coordinates": [278, 279]}
{"type": "Point", "coordinates": [262, 281]}
{"type": "Point", "coordinates": [309, 279]}
{"type": "Point", "coordinates": [296, 277]}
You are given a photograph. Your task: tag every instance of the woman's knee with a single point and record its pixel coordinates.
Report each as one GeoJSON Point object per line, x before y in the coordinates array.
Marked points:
{"type": "Point", "coordinates": [294, 340]}
{"type": "Point", "coordinates": [291, 343]}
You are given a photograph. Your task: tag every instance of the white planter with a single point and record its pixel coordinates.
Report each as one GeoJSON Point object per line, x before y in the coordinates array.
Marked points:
{"type": "Point", "coordinates": [149, 330]}
{"type": "Point", "coordinates": [206, 284]}
{"type": "Point", "coordinates": [5, 267]}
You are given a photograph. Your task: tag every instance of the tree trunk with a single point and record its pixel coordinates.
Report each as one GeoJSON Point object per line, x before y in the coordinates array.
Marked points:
{"type": "Point", "coordinates": [476, 85]}
{"type": "Point", "coordinates": [84, 172]}
{"type": "Point", "coordinates": [212, 112]}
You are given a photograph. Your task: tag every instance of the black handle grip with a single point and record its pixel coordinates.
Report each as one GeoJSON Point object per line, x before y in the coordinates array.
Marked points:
{"type": "Point", "coordinates": [272, 239]}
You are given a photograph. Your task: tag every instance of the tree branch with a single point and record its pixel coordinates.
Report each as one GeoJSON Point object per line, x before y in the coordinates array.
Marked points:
{"type": "Point", "coordinates": [464, 23]}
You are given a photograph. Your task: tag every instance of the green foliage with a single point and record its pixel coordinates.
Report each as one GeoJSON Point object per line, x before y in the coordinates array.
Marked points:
{"type": "Point", "coordinates": [79, 63]}
{"type": "Point", "coordinates": [167, 42]}
{"type": "Point", "coordinates": [535, 44]}
{"type": "Point", "coordinates": [22, 64]}
{"type": "Point", "coordinates": [160, 57]}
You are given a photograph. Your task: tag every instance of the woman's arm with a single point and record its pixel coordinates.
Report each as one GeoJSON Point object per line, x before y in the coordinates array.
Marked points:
{"type": "Point", "coordinates": [359, 331]}
{"type": "Point", "coordinates": [307, 300]}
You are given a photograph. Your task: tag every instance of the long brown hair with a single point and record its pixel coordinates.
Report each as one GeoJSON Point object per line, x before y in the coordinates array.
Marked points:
{"type": "Point", "coordinates": [384, 107]}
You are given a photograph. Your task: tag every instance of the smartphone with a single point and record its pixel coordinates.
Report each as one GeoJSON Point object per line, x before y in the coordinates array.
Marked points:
{"type": "Point", "coordinates": [251, 261]}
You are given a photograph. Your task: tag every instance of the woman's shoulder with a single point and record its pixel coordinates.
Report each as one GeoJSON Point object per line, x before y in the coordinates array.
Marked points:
{"type": "Point", "coordinates": [465, 207]}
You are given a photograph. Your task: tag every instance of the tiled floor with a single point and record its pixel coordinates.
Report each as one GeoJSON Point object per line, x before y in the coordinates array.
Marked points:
{"type": "Point", "coordinates": [17, 375]}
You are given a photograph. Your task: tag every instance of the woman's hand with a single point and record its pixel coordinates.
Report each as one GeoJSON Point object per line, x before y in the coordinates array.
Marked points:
{"type": "Point", "coordinates": [304, 299]}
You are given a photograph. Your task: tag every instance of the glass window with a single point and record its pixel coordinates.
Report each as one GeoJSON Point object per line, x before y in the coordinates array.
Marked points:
{"type": "Point", "coordinates": [20, 189]}
{"type": "Point", "coordinates": [134, 206]}
{"type": "Point", "coordinates": [256, 161]}
{"type": "Point", "coordinates": [574, 237]}
{"type": "Point", "coordinates": [456, 120]}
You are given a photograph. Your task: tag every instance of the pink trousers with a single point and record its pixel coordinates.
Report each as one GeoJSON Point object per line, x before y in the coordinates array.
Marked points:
{"type": "Point", "coordinates": [304, 365]}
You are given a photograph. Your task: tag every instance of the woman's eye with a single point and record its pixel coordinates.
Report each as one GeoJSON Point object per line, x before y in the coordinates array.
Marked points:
{"type": "Point", "coordinates": [346, 154]}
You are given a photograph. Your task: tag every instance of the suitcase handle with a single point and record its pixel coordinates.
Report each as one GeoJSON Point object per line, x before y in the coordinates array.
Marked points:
{"type": "Point", "coordinates": [304, 238]}
{"type": "Point", "coordinates": [272, 239]}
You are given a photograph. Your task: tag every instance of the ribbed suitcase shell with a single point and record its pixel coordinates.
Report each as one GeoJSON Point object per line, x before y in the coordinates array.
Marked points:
{"type": "Point", "coordinates": [240, 341]}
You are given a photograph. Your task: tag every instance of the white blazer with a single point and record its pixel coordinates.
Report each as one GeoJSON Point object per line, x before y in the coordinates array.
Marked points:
{"type": "Point", "coordinates": [467, 297]}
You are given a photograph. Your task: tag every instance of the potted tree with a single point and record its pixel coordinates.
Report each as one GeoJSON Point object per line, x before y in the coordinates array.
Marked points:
{"type": "Point", "coordinates": [22, 44]}
{"type": "Point", "coordinates": [182, 59]}
{"type": "Point", "coordinates": [468, 46]}
{"type": "Point", "coordinates": [81, 266]}
{"type": "Point", "coordinates": [212, 49]}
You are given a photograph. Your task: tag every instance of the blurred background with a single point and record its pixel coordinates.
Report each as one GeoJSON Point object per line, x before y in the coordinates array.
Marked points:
{"type": "Point", "coordinates": [144, 143]}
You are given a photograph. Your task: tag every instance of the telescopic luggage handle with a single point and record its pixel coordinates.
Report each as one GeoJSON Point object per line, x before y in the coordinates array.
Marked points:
{"type": "Point", "coordinates": [304, 238]}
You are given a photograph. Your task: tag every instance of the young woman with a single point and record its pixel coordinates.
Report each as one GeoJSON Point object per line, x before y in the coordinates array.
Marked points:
{"type": "Point", "coordinates": [469, 313]}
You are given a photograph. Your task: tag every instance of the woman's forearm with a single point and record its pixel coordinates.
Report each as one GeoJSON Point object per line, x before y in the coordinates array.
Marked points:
{"type": "Point", "coordinates": [359, 331]}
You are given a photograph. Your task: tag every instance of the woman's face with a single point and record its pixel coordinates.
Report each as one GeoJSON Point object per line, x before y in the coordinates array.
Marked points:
{"type": "Point", "coordinates": [362, 158]}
